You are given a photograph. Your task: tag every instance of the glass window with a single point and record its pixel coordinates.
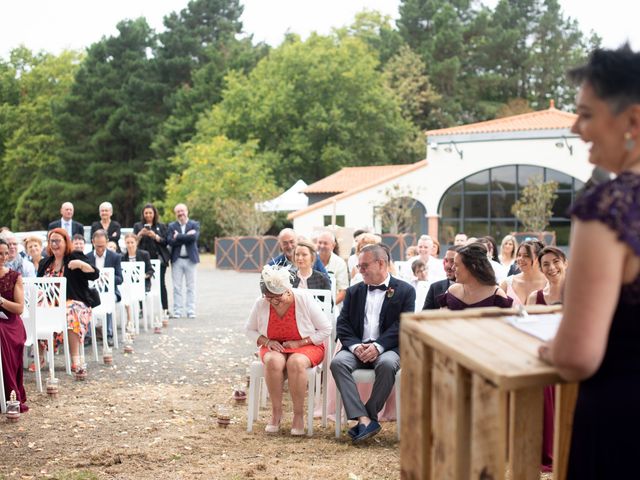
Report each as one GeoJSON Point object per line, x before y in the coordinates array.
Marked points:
{"type": "Point", "coordinates": [476, 205]}
{"type": "Point", "coordinates": [561, 205]}
{"type": "Point", "coordinates": [525, 172]}
{"type": "Point", "coordinates": [476, 229]}
{"type": "Point", "coordinates": [503, 178]}
{"type": "Point", "coordinates": [452, 205]}
{"type": "Point", "coordinates": [501, 204]}
{"type": "Point", "coordinates": [339, 220]}
{"type": "Point", "coordinates": [478, 182]}
{"type": "Point", "coordinates": [565, 182]}
{"type": "Point", "coordinates": [563, 231]}
{"type": "Point", "coordinates": [499, 230]}
{"type": "Point", "coordinates": [448, 230]}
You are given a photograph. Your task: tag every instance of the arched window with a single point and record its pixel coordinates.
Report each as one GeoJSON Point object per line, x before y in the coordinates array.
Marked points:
{"type": "Point", "coordinates": [480, 204]}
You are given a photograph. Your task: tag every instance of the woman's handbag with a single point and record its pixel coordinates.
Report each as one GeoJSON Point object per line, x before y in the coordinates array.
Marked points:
{"type": "Point", "coordinates": [94, 297]}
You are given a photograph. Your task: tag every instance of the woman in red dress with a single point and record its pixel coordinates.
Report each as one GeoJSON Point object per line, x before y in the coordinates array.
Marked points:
{"type": "Point", "coordinates": [290, 329]}
{"type": "Point", "coordinates": [12, 332]}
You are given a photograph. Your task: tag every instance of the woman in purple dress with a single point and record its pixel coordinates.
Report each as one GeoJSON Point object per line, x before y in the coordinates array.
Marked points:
{"type": "Point", "coordinates": [475, 282]}
{"type": "Point", "coordinates": [12, 332]}
{"type": "Point", "coordinates": [599, 337]}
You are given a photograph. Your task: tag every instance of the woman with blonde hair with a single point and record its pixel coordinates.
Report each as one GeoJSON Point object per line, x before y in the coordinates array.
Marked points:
{"type": "Point", "coordinates": [33, 247]}
{"type": "Point", "coordinates": [508, 249]}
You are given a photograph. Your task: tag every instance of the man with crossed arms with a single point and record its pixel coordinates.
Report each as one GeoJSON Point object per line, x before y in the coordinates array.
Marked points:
{"type": "Point", "coordinates": [368, 328]}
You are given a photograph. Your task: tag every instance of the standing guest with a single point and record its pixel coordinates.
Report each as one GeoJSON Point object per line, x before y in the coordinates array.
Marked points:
{"type": "Point", "coordinates": [15, 261]}
{"type": "Point", "coordinates": [67, 222]}
{"type": "Point", "coordinates": [12, 332]}
{"type": "Point", "coordinates": [460, 239]}
{"type": "Point", "coordinates": [134, 254]}
{"type": "Point", "coordinates": [62, 261]}
{"type": "Point", "coordinates": [287, 241]}
{"type": "Point", "coordinates": [326, 244]}
{"type": "Point", "coordinates": [368, 328]}
{"type": "Point", "coordinates": [530, 278]}
{"type": "Point", "coordinates": [290, 329]}
{"type": "Point", "coordinates": [78, 243]}
{"type": "Point", "coordinates": [182, 236]}
{"type": "Point", "coordinates": [101, 258]}
{"type": "Point", "coordinates": [363, 240]}
{"type": "Point", "coordinates": [105, 223]}
{"type": "Point", "coordinates": [306, 276]}
{"type": "Point", "coordinates": [508, 249]}
{"type": "Point", "coordinates": [410, 252]}
{"type": "Point", "coordinates": [475, 282]}
{"type": "Point", "coordinates": [152, 237]}
{"type": "Point", "coordinates": [435, 250]}
{"type": "Point", "coordinates": [112, 246]}
{"type": "Point", "coordinates": [352, 261]}
{"type": "Point", "coordinates": [438, 288]}
{"type": "Point", "coordinates": [33, 247]}
{"type": "Point", "coordinates": [597, 341]}
{"type": "Point", "coordinates": [435, 271]}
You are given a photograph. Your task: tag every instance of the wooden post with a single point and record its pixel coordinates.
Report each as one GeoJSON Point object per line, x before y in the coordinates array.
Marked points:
{"type": "Point", "coordinates": [566, 396]}
{"type": "Point", "coordinates": [525, 439]}
{"type": "Point", "coordinates": [415, 401]}
{"type": "Point", "coordinates": [488, 430]}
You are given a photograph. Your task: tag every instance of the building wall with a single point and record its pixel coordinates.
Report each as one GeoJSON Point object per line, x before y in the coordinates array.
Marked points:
{"type": "Point", "coordinates": [445, 168]}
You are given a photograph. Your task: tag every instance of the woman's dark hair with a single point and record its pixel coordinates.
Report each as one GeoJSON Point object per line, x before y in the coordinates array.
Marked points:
{"type": "Point", "coordinates": [554, 251]}
{"type": "Point", "coordinates": [474, 257]}
{"type": "Point", "coordinates": [614, 76]}
{"type": "Point", "coordinates": [4, 242]}
{"type": "Point", "coordinates": [155, 213]}
{"type": "Point", "coordinates": [488, 239]}
{"type": "Point", "coordinates": [532, 247]}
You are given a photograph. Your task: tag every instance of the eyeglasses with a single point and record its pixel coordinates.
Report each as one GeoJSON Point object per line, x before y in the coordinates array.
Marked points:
{"type": "Point", "coordinates": [364, 266]}
{"type": "Point", "coordinates": [55, 241]}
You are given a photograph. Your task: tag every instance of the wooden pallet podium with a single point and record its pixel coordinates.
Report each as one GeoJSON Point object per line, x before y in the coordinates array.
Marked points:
{"type": "Point", "coordinates": [472, 398]}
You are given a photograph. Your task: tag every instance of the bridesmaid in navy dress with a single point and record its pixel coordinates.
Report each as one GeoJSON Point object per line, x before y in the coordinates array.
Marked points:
{"type": "Point", "coordinates": [12, 332]}
{"type": "Point", "coordinates": [475, 282]}
{"type": "Point", "coordinates": [598, 341]}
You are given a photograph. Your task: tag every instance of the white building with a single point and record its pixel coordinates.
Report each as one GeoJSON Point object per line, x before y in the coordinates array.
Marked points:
{"type": "Point", "coordinates": [470, 178]}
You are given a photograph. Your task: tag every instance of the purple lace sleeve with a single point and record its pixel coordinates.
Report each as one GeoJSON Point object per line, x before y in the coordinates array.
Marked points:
{"type": "Point", "coordinates": [616, 204]}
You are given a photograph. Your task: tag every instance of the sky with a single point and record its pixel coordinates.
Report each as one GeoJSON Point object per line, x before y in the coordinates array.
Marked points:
{"type": "Point", "coordinates": [54, 25]}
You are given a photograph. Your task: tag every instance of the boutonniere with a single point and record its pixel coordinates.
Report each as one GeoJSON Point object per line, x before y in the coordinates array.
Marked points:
{"type": "Point", "coordinates": [390, 292]}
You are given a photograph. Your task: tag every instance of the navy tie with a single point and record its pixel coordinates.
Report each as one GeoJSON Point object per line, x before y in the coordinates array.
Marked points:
{"type": "Point", "coordinates": [382, 287]}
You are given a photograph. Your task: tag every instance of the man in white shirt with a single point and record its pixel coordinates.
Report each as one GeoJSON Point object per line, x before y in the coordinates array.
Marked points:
{"type": "Point", "coordinates": [326, 243]}
{"type": "Point", "coordinates": [368, 328]}
{"type": "Point", "coordinates": [435, 270]}
{"type": "Point", "coordinates": [67, 222]}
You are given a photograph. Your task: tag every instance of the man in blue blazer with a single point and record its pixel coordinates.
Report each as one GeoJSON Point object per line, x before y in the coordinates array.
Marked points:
{"type": "Point", "coordinates": [368, 328]}
{"type": "Point", "coordinates": [182, 237]}
{"type": "Point", "coordinates": [67, 222]}
{"type": "Point", "coordinates": [100, 257]}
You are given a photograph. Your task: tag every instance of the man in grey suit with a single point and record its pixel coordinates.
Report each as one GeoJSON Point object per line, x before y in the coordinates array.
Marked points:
{"type": "Point", "coordinates": [368, 328]}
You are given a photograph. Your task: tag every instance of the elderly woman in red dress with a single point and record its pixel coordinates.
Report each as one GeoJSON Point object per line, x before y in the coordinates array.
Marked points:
{"type": "Point", "coordinates": [12, 333]}
{"type": "Point", "coordinates": [290, 329]}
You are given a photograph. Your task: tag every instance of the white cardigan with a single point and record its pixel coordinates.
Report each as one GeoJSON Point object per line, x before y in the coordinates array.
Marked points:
{"type": "Point", "coordinates": [310, 319]}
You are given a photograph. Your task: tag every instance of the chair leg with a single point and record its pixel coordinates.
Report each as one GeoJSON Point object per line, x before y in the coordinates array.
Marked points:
{"type": "Point", "coordinates": [94, 340]}
{"type": "Point", "coordinates": [67, 354]}
{"type": "Point", "coordinates": [311, 393]}
{"type": "Point", "coordinates": [114, 328]}
{"type": "Point", "coordinates": [3, 403]}
{"type": "Point", "coordinates": [254, 397]}
{"type": "Point", "coordinates": [398, 404]}
{"type": "Point", "coordinates": [36, 362]}
{"type": "Point", "coordinates": [338, 414]}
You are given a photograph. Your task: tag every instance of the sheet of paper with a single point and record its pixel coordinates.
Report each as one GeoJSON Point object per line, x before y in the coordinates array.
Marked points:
{"type": "Point", "coordinates": [3, 316]}
{"type": "Point", "coordinates": [543, 326]}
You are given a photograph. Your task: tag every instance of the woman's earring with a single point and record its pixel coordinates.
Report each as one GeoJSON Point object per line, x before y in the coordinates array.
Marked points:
{"type": "Point", "coordinates": [629, 143]}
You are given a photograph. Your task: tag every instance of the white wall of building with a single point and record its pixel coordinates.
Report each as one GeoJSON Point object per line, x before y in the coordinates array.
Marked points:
{"type": "Point", "coordinates": [446, 168]}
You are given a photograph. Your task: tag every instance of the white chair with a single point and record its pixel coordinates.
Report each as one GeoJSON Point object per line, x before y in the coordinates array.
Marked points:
{"type": "Point", "coordinates": [316, 381]}
{"type": "Point", "coordinates": [29, 321]}
{"type": "Point", "coordinates": [366, 375]}
{"type": "Point", "coordinates": [133, 293]}
{"type": "Point", "coordinates": [422, 288]}
{"type": "Point", "coordinates": [154, 302]}
{"type": "Point", "coordinates": [50, 312]}
{"type": "Point", "coordinates": [106, 286]}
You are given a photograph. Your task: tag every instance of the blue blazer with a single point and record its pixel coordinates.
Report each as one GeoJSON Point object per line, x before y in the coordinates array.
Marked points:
{"type": "Point", "coordinates": [350, 324]}
{"type": "Point", "coordinates": [111, 260]}
{"type": "Point", "coordinates": [175, 239]}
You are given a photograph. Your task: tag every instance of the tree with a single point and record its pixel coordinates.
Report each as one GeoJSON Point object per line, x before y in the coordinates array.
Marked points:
{"type": "Point", "coordinates": [534, 207]}
{"type": "Point", "coordinates": [396, 213]}
{"type": "Point", "coordinates": [240, 216]}
{"type": "Point", "coordinates": [319, 105]}
{"type": "Point", "coordinates": [214, 171]}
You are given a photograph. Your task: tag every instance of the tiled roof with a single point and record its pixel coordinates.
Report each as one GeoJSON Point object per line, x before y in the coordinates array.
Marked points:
{"type": "Point", "coordinates": [549, 119]}
{"type": "Point", "coordinates": [359, 182]}
{"type": "Point", "coordinates": [349, 177]}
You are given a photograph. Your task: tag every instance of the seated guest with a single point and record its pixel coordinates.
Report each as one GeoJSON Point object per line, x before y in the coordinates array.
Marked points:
{"type": "Point", "coordinates": [460, 239]}
{"type": "Point", "coordinates": [435, 249]}
{"type": "Point", "coordinates": [475, 282]}
{"type": "Point", "coordinates": [530, 279]}
{"type": "Point", "coordinates": [33, 247]}
{"type": "Point", "coordinates": [287, 241]}
{"type": "Point", "coordinates": [111, 227]}
{"type": "Point", "coordinates": [326, 245]}
{"type": "Point", "coordinates": [435, 271]}
{"type": "Point", "coordinates": [438, 288]}
{"type": "Point", "coordinates": [352, 261]}
{"type": "Point", "coordinates": [410, 252]}
{"type": "Point", "coordinates": [290, 329]}
{"type": "Point", "coordinates": [112, 246]}
{"type": "Point", "coordinates": [363, 240]}
{"type": "Point", "coordinates": [134, 254]}
{"type": "Point", "coordinates": [508, 249]}
{"type": "Point", "coordinates": [62, 261]}
{"type": "Point", "coordinates": [15, 261]}
{"type": "Point", "coordinates": [306, 276]}
{"type": "Point", "coordinates": [368, 328]}
{"type": "Point", "coordinates": [419, 270]}
{"type": "Point", "coordinates": [78, 243]}
{"type": "Point", "coordinates": [12, 332]}
{"type": "Point", "coordinates": [553, 263]}
{"type": "Point", "coordinates": [100, 257]}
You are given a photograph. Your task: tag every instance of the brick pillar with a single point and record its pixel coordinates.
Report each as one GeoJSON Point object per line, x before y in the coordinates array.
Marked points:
{"type": "Point", "coordinates": [432, 225]}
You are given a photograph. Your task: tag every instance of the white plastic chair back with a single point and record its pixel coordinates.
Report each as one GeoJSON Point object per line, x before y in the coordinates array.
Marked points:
{"type": "Point", "coordinates": [155, 302]}
{"type": "Point", "coordinates": [106, 286]}
{"type": "Point", "coordinates": [422, 288]}
{"type": "Point", "coordinates": [29, 321]}
{"type": "Point", "coordinates": [133, 289]}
